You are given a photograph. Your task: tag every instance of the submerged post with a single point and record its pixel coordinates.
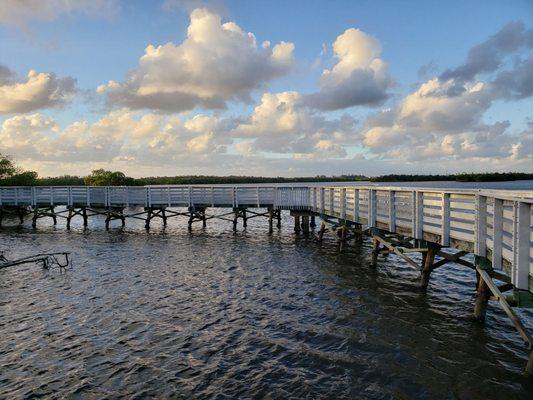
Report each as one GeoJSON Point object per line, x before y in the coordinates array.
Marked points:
{"type": "Point", "coordinates": [375, 251]}
{"type": "Point", "coordinates": [297, 226]}
{"type": "Point", "coordinates": [305, 224]}
{"type": "Point", "coordinates": [483, 289]}
{"type": "Point", "coordinates": [427, 265]}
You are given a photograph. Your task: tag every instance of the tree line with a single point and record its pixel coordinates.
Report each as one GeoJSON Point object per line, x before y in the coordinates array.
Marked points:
{"type": "Point", "coordinates": [12, 175]}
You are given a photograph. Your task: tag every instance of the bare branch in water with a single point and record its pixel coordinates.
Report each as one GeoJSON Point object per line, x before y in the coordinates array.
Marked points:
{"type": "Point", "coordinates": [46, 260]}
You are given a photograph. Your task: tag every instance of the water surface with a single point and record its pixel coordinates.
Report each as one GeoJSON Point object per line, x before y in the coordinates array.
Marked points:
{"type": "Point", "coordinates": [212, 314]}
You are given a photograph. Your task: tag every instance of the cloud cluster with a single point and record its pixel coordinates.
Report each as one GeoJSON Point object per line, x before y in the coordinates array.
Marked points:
{"type": "Point", "coordinates": [18, 12]}
{"type": "Point", "coordinates": [443, 119]}
{"type": "Point", "coordinates": [39, 90]}
{"type": "Point", "coordinates": [282, 123]}
{"type": "Point", "coordinates": [217, 62]}
{"type": "Point", "coordinates": [358, 78]}
{"type": "Point", "coordinates": [488, 56]}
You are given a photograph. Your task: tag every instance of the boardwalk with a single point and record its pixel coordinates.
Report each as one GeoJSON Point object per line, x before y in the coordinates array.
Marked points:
{"type": "Point", "coordinates": [442, 225]}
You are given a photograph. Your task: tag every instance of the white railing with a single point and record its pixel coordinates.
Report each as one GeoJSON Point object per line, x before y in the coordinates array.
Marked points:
{"type": "Point", "coordinates": [157, 196]}
{"type": "Point", "coordinates": [494, 224]}
{"type": "Point", "coordinates": [497, 225]}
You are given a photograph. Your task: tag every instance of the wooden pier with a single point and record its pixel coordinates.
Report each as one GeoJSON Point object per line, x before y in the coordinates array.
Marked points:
{"type": "Point", "coordinates": [442, 225]}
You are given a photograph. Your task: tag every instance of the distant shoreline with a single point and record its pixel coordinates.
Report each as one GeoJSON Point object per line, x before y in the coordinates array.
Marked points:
{"type": "Point", "coordinates": [233, 179]}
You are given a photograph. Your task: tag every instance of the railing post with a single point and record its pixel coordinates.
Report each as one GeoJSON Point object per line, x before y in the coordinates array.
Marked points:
{"type": "Point", "coordinates": [356, 205]}
{"type": "Point", "coordinates": [169, 202]}
{"type": "Point", "coordinates": [190, 197]}
{"type": "Point", "coordinates": [33, 196]}
{"type": "Point", "coordinates": [343, 203]}
{"type": "Point", "coordinates": [332, 201]}
{"type": "Point", "coordinates": [392, 212]}
{"type": "Point", "coordinates": [69, 202]}
{"type": "Point", "coordinates": [149, 197]}
{"type": "Point", "coordinates": [371, 208]}
{"type": "Point", "coordinates": [445, 235]}
{"type": "Point", "coordinates": [419, 215]}
{"type": "Point", "coordinates": [520, 276]}
{"type": "Point", "coordinates": [480, 244]}
{"type": "Point", "coordinates": [497, 234]}
{"type": "Point", "coordinates": [51, 195]}
{"type": "Point", "coordinates": [88, 195]}
{"type": "Point", "coordinates": [323, 200]}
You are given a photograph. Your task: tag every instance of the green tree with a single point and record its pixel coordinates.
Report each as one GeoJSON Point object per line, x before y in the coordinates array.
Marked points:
{"type": "Point", "coordinates": [102, 177]}
{"type": "Point", "coordinates": [11, 175]}
{"type": "Point", "coordinates": [7, 167]}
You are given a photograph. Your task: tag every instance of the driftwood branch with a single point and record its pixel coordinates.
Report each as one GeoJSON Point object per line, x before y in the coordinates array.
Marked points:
{"type": "Point", "coordinates": [46, 260]}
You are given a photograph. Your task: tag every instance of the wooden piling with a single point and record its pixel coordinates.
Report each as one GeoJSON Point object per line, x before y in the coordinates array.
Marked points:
{"type": "Point", "coordinates": [114, 213]}
{"type": "Point", "coordinates": [482, 299]}
{"type": "Point", "coordinates": [427, 266]}
{"type": "Point", "coordinates": [375, 251]}
{"type": "Point", "coordinates": [343, 234]}
{"type": "Point", "coordinates": [305, 224]}
{"type": "Point", "coordinates": [312, 224]}
{"type": "Point", "coordinates": [297, 226]}
{"type": "Point", "coordinates": [73, 211]}
{"type": "Point", "coordinates": [529, 366]}
{"type": "Point", "coordinates": [41, 212]}
{"type": "Point", "coordinates": [20, 212]}
{"type": "Point", "coordinates": [321, 231]}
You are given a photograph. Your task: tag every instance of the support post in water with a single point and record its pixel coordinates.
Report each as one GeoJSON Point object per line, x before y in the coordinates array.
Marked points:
{"type": "Point", "coordinates": [197, 214]}
{"type": "Point", "coordinates": [312, 224]}
{"type": "Point", "coordinates": [115, 213]}
{"type": "Point", "coordinates": [483, 290]}
{"type": "Point", "coordinates": [270, 221]}
{"type": "Point", "coordinates": [152, 213]}
{"type": "Point", "coordinates": [42, 212]}
{"type": "Point", "coordinates": [297, 226]}
{"type": "Point", "coordinates": [428, 259]}
{"type": "Point", "coordinates": [375, 251]}
{"type": "Point", "coordinates": [18, 211]}
{"type": "Point", "coordinates": [529, 366]}
{"type": "Point", "coordinates": [343, 237]}
{"type": "Point", "coordinates": [305, 224]}
{"type": "Point", "coordinates": [321, 231]}
{"type": "Point", "coordinates": [73, 211]}
{"type": "Point", "coordinates": [239, 212]}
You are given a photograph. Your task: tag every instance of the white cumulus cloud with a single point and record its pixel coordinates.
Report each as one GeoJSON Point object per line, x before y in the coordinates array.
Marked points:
{"type": "Point", "coordinates": [360, 76]}
{"type": "Point", "coordinates": [217, 62]}
{"type": "Point", "coordinates": [39, 90]}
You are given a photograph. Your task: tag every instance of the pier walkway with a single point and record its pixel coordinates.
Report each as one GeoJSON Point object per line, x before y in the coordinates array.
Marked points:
{"type": "Point", "coordinates": [442, 225]}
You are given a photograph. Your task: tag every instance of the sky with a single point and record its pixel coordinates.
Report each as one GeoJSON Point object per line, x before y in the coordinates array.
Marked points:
{"type": "Point", "coordinates": [271, 88]}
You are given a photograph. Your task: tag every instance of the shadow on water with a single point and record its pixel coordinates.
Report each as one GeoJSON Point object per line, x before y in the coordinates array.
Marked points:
{"type": "Point", "coordinates": [249, 314]}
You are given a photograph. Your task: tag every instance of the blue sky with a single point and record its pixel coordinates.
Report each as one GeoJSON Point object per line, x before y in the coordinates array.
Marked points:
{"type": "Point", "coordinates": [418, 41]}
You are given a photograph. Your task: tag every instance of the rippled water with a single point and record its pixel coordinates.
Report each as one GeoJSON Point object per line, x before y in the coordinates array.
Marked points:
{"type": "Point", "coordinates": [212, 314]}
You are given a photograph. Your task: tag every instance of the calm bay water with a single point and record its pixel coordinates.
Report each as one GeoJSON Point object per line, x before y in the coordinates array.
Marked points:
{"type": "Point", "coordinates": [213, 314]}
